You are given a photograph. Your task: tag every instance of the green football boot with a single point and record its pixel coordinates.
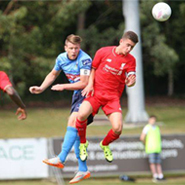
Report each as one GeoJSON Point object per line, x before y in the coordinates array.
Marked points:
{"type": "Point", "coordinates": [107, 152]}
{"type": "Point", "coordinates": [83, 151]}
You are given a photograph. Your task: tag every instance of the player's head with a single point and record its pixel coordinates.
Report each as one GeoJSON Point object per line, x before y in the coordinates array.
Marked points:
{"type": "Point", "coordinates": [131, 36]}
{"type": "Point", "coordinates": [152, 119]}
{"type": "Point", "coordinates": [127, 42]}
{"type": "Point", "coordinates": [72, 46]}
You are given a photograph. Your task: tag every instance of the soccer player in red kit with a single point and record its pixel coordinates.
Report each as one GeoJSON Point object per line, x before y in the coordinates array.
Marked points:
{"type": "Point", "coordinates": [7, 87]}
{"type": "Point", "coordinates": [112, 68]}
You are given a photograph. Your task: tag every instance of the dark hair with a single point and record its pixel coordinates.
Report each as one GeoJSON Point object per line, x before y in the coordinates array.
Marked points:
{"type": "Point", "coordinates": [153, 116]}
{"type": "Point", "coordinates": [74, 39]}
{"type": "Point", "coordinates": [131, 35]}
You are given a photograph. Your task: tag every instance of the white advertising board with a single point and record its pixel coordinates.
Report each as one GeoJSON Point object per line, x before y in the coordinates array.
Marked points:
{"type": "Point", "coordinates": [22, 158]}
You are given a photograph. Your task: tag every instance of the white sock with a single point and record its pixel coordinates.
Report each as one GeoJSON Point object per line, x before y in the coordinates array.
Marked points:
{"type": "Point", "coordinates": [160, 176]}
{"type": "Point", "coordinates": [155, 175]}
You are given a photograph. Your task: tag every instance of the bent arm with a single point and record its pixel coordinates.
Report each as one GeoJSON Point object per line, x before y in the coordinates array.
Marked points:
{"type": "Point", "coordinates": [15, 97]}
{"type": "Point", "coordinates": [72, 86]}
{"type": "Point", "coordinates": [89, 89]}
{"type": "Point", "coordinates": [91, 78]}
{"type": "Point", "coordinates": [78, 85]}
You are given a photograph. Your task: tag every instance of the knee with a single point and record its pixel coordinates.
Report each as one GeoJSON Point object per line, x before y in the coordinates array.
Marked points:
{"type": "Point", "coordinates": [82, 116]}
{"type": "Point", "coordinates": [117, 130]}
{"type": "Point", "coordinates": [71, 124]}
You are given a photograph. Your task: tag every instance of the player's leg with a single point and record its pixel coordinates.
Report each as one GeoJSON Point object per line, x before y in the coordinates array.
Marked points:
{"type": "Point", "coordinates": [116, 121]}
{"type": "Point", "coordinates": [69, 140]}
{"type": "Point", "coordinates": [81, 125]}
{"type": "Point", "coordinates": [83, 172]}
{"type": "Point", "coordinates": [81, 122]}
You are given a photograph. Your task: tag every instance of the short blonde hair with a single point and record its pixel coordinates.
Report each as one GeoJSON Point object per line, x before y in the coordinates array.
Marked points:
{"type": "Point", "coordinates": [74, 39]}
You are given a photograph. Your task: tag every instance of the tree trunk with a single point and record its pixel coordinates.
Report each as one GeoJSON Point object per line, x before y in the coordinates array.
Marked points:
{"type": "Point", "coordinates": [81, 21]}
{"type": "Point", "coordinates": [136, 105]}
{"type": "Point", "coordinates": [170, 83]}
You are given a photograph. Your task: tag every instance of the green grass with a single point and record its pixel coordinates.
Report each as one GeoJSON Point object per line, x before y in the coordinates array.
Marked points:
{"type": "Point", "coordinates": [50, 122]}
{"type": "Point", "coordinates": [97, 181]}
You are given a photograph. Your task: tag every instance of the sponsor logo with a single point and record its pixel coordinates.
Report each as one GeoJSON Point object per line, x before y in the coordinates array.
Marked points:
{"type": "Point", "coordinates": [86, 62]}
{"type": "Point", "coordinates": [122, 66]}
{"type": "Point", "coordinates": [109, 60]}
{"type": "Point", "coordinates": [73, 77]}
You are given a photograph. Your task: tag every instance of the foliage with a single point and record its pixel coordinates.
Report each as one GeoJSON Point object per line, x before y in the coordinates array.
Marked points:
{"type": "Point", "coordinates": [31, 40]}
{"type": "Point", "coordinates": [32, 35]}
{"type": "Point", "coordinates": [162, 55]}
{"type": "Point", "coordinates": [162, 43]}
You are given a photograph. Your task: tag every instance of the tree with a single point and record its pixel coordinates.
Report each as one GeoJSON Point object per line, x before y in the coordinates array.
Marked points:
{"type": "Point", "coordinates": [31, 40]}
{"type": "Point", "coordinates": [156, 47]}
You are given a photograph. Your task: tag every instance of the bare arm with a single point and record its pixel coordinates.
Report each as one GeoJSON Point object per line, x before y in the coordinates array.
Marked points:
{"type": "Point", "coordinates": [72, 86]}
{"type": "Point", "coordinates": [130, 80]}
{"type": "Point", "coordinates": [89, 89]}
{"type": "Point", "coordinates": [15, 97]}
{"type": "Point", "coordinates": [50, 78]}
{"type": "Point", "coordinates": [142, 137]}
{"type": "Point", "coordinates": [17, 100]}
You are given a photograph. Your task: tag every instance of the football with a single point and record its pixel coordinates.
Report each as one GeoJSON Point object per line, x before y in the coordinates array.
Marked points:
{"type": "Point", "coordinates": [161, 11]}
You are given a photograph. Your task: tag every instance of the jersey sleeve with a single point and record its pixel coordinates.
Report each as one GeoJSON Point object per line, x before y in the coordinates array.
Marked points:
{"type": "Point", "coordinates": [85, 66]}
{"type": "Point", "coordinates": [97, 59]}
{"type": "Point", "coordinates": [4, 81]}
{"type": "Point", "coordinates": [146, 129]}
{"type": "Point", "coordinates": [58, 65]}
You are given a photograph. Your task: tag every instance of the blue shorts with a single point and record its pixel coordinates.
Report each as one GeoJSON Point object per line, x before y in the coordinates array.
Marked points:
{"type": "Point", "coordinates": [155, 158]}
{"type": "Point", "coordinates": [77, 99]}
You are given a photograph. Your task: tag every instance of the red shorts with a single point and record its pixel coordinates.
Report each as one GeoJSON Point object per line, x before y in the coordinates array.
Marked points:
{"type": "Point", "coordinates": [4, 80]}
{"type": "Point", "coordinates": [108, 103]}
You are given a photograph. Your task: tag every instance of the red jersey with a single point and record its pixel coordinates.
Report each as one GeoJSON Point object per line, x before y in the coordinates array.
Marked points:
{"type": "Point", "coordinates": [4, 81]}
{"type": "Point", "coordinates": [111, 70]}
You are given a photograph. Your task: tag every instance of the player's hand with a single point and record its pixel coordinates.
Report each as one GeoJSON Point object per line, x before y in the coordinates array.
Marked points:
{"type": "Point", "coordinates": [88, 91]}
{"type": "Point", "coordinates": [21, 113]}
{"type": "Point", "coordinates": [58, 87]}
{"type": "Point", "coordinates": [130, 80]}
{"type": "Point", "coordinates": [35, 90]}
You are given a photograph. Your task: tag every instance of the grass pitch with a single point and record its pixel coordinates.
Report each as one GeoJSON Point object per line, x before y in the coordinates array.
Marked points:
{"type": "Point", "coordinates": [52, 122]}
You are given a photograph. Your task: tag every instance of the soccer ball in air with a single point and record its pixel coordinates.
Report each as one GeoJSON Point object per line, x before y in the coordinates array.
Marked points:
{"type": "Point", "coordinates": [161, 11]}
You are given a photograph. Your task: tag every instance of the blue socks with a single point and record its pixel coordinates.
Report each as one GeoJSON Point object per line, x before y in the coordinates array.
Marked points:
{"type": "Point", "coordinates": [71, 138]}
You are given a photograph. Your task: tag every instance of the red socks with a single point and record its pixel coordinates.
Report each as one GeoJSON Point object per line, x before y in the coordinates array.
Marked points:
{"type": "Point", "coordinates": [110, 137]}
{"type": "Point", "coordinates": [81, 127]}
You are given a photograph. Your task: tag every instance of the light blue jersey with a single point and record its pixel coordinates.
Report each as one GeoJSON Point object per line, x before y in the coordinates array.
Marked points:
{"type": "Point", "coordinates": [73, 68]}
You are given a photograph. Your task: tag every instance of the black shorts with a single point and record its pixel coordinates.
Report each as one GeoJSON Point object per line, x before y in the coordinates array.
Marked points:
{"type": "Point", "coordinates": [77, 99]}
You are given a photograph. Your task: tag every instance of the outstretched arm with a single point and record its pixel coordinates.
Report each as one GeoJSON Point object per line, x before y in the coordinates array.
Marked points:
{"type": "Point", "coordinates": [16, 98]}
{"type": "Point", "coordinates": [49, 79]}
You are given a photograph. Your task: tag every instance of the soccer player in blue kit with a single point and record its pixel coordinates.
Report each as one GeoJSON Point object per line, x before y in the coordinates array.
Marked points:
{"type": "Point", "coordinates": [76, 65]}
